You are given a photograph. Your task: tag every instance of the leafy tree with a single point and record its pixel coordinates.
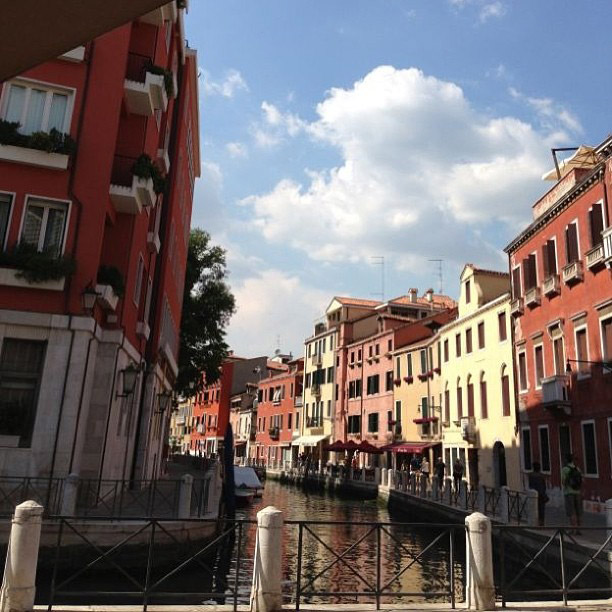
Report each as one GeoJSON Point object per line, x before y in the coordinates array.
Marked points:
{"type": "Point", "coordinates": [208, 305]}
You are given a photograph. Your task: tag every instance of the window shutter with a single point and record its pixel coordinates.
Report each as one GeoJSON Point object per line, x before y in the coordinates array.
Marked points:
{"type": "Point", "coordinates": [545, 263]}
{"type": "Point", "coordinates": [516, 283]}
{"type": "Point", "coordinates": [533, 278]}
{"type": "Point", "coordinates": [483, 399]}
{"type": "Point", "coordinates": [596, 219]}
{"type": "Point", "coordinates": [571, 239]}
{"type": "Point", "coordinates": [552, 257]}
{"type": "Point", "coordinates": [506, 395]}
{"type": "Point", "coordinates": [526, 274]}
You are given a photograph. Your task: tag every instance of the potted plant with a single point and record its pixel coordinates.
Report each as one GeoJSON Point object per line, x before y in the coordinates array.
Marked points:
{"type": "Point", "coordinates": [144, 168]}
{"type": "Point", "coordinates": [409, 379]}
{"type": "Point", "coordinates": [36, 266]}
{"type": "Point", "coordinates": [397, 382]}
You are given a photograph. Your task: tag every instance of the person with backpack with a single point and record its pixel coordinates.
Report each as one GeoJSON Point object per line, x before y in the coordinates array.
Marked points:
{"type": "Point", "coordinates": [571, 479]}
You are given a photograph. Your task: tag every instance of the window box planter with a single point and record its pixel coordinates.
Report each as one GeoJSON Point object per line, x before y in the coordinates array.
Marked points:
{"type": "Point", "coordinates": [430, 374]}
{"type": "Point", "coordinates": [33, 157]}
{"type": "Point", "coordinates": [409, 379]}
{"type": "Point", "coordinates": [107, 297]}
{"type": "Point", "coordinates": [423, 377]}
{"type": "Point", "coordinates": [11, 278]}
{"type": "Point", "coordinates": [516, 307]}
{"type": "Point", "coordinates": [437, 370]}
{"type": "Point", "coordinates": [532, 297]}
{"type": "Point", "coordinates": [397, 382]}
{"type": "Point", "coordinates": [131, 200]}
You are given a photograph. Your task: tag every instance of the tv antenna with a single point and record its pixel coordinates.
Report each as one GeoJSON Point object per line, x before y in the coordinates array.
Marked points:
{"type": "Point", "coordinates": [440, 273]}
{"type": "Point", "coordinates": [379, 260]}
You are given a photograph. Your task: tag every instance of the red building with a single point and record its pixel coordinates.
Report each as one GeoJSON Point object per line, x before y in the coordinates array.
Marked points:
{"type": "Point", "coordinates": [562, 311]}
{"type": "Point", "coordinates": [98, 157]}
{"type": "Point", "coordinates": [276, 414]}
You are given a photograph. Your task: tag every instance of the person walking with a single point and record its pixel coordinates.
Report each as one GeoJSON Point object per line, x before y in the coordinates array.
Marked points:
{"type": "Point", "coordinates": [571, 479]}
{"type": "Point", "coordinates": [457, 473]}
{"type": "Point", "coordinates": [425, 467]}
{"type": "Point", "coordinates": [440, 469]}
{"type": "Point", "coordinates": [537, 482]}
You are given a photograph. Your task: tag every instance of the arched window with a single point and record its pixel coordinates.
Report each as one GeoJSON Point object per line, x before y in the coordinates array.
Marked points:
{"type": "Point", "coordinates": [484, 410]}
{"type": "Point", "coordinates": [470, 396]}
{"type": "Point", "coordinates": [505, 385]}
{"type": "Point", "coordinates": [447, 406]}
{"type": "Point", "coordinates": [459, 400]}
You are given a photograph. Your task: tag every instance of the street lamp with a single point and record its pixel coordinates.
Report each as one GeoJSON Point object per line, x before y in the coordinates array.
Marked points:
{"type": "Point", "coordinates": [129, 377]}
{"type": "Point", "coordinates": [607, 365]}
{"type": "Point", "coordinates": [89, 297]}
{"type": "Point", "coordinates": [164, 401]}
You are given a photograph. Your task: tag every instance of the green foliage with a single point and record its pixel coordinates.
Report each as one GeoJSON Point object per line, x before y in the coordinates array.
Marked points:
{"type": "Point", "coordinates": [51, 142]}
{"type": "Point", "coordinates": [145, 168]}
{"type": "Point", "coordinates": [37, 266]}
{"type": "Point", "coordinates": [167, 74]}
{"type": "Point", "coordinates": [109, 275]}
{"type": "Point", "coordinates": [208, 305]}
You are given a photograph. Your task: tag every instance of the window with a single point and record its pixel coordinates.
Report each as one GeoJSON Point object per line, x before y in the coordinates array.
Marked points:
{"type": "Point", "coordinates": [389, 345]}
{"type": "Point", "coordinates": [307, 380]}
{"type": "Point", "coordinates": [44, 225]}
{"type": "Point", "coordinates": [138, 283]}
{"type": "Point", "coordinates": [538, 353]}
{"type": "Point", "coordinates": [373, 384]}
{"type": "Point", "coordinates": [572, 250]}
{"type": "Point", "coordinates": [544, 448]}
{"type": "Point", "coordinates": [468, 292]}
{"type": "Point", "coordinates": [352, 356]}
{"type": "Point", "coordinates": [549, 257]}
{"type": "Point", "coordinates": [329, 408]}
{"type": "Point", "coordinates": [409, 362]}
{"type": "Point", "coordinates": [359, 355]}
{"type": "Point", "coordinates": [297, 420]}
{"type": "Point", "coordinates": [354, 424]}
{"type": "Point", "coordinates": [5, 213]}
{"type": "Point", "coordinates": [423, 356]}
{"type": "Point", "coordinates": [37, 108]}
{"type": "Point", "coordinates": [522, 370]}
{"type": "Point", "coordinates": [389, 420]}
{"type": "Point", "coordinates": [398, 368]}
{"type": "Point", "coordinates": [447, 406]}
{"type": "Point", "coordinates": [459, 403]}
{"type": "Point", "coordinates": [526, 445]}
{"type": "Point", "coordinates": [589, 444]}
{"type": "Point", "coordinates": [530, 276]}
{"type": "Point", "coordinates": [565, 442]}
{"type": "Point", "coordinates": [516, 283]}
{"type": "Point", "coordinates": [377, 351]}
{"type": "Point", "coordinates": [351, 389]}
{"type": "Point", "coordinates": [468, 340]}
{"type": "Point", "coordinates": [330, 374]}
{"type": "Point", "coordinates": [424, 407]}
{"type": "Point", "coordinates": [606, 339]}
{"type": "Point", "coordinates": [470, 397]}
{"type": "Point", "coordinates": [596, 224]}
{"type": "Point", "coordinates": [484, 410]}
{"type": "Point", "coordinates": [481, 335]}
{"type": "Point", "coordinates": [501, 325]}
{"type": "Point", "coordinates": [291, 390]}
{"type": "Point", "coordinates": [309, 349]}
{"type": "Point", "coordinates": [446, 350]}
{"type": "Point", "coordinates": [370, 350]}
{"type": "Point", "coordinates": [398, 411]}
{"type": "Point", "coordinates": [559, 355]}
{"type": "Point", "coordinates": [21, 367]}
{"type": "Point", "coordinates": [389, 381]}
{"type": "Point", "coordinates": [582, 351]}
{"type": "Point", "coordinates": [458, 345]}
{"type": "Point", "coordinates": [505, 384]}
{"type": "Point", "coordinates": [373, 422]}
{"type": "Point", "coordinates": [439, 354]}
{"type": "Point", "coordinates": [358, 387]}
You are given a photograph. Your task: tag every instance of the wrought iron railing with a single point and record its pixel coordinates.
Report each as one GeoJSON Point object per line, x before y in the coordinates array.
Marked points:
{"type": "Point", "coordinates": [45, 491]}
{"type": "Point", "coordinates": [491, 501]}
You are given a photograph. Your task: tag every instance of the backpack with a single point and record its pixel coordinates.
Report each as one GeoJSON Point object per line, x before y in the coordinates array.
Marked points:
{"type": "Point", "coordinates": [574, 478]}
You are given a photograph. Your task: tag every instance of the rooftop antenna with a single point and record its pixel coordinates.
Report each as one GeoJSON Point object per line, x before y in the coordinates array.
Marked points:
{"type": "Point", "coordinates": [440, 274]}
{"type": "Point", "coordinates": [278, 344]}
{"type": "Point", "coordinates": [379, 260]}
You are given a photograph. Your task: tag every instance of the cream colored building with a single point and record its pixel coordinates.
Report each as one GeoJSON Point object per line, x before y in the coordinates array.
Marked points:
{"type": "Point", "coordinates": [477, 382]}
{"type": "Point", "coordinates": [181, 423]}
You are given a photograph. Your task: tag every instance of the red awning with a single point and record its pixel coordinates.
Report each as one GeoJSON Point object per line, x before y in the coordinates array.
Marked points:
{"type": "Point", "coordinates": [336, 446]}
{"type": "Point", "coordinates": [351, 445]}
{"type": "Point", "coordinates": [433, 419]}
{"type": "Point", "coordinates": [366, 447]}
{"type": "Point", "coordinates": [408, 447]}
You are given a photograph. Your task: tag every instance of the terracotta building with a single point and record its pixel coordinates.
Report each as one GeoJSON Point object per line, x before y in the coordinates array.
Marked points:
{"type": "Point", "coordinates": [562, 312]}
{"type": "Point", "coordinates": [98, 158]}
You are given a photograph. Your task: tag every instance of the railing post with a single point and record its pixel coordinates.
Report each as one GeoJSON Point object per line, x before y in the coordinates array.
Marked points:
{"type": "Point", "coordinates": [480, 587]}
{"type": "Point", "coordinates": [266, 594]}
{"type": "Point", "coordinates": [69, 495]}
{"type": "Point", "coordinates": [435, 488]}
{"type": "Point", "coordinates": [184, 509]}
{"type": "Point", "coordinates": [363, 473]}
{"type": "Point", "coordinates": [480, 500]}
{"type": "Point", "coordinates": [19, 584]}
{"type": "Point", "coordinates": [448, 488]}
{"type": "Point", "coordinates": [532, 508]}
{"type": "Point", "coordinates": [413, 483]}
{"type": "Point", "coordinates": [380, 476]}
{"type": "Point", "coordinates": [423, 483]}
{"type": "Point", "coordinates": [462, 501]}
{"type": "Point", "coordinates": [503, 505]}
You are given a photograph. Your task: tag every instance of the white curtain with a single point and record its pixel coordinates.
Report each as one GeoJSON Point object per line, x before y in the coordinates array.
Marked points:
{"type": "Point", "coordinates": [34, 114]}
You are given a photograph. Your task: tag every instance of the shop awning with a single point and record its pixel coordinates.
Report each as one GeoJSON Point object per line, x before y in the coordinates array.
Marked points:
{"type": "Point", "coordinates": [309, 440]}
{"type": "Point", "coordinates": [409, 447]}
{"type": "Point", "coordinates": [366, 447]}
{"type": "Point", "coordinates": [336, 446]}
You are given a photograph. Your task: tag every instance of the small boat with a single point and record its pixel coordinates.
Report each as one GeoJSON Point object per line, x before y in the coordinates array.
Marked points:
{"type": "Point", "coordinates": [246, 484]}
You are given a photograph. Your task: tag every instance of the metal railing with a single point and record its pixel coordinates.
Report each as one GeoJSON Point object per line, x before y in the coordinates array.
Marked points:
{"type": "Point", "coordinates": [471, 499]}
{"type": "Point", "coordinates": [559, 566]}
{"type": "Point", "coordinates": [517, 506]}
{"type": "Point", "coordinates": [491, 500]}
{"type": "Point", "coordinates": [45, 491]}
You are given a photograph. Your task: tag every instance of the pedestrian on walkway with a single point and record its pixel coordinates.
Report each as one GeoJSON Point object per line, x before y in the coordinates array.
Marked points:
{"type": "Point", "coordinates": [537, 482]}
{"type": "Point", "coordinates": [571, 479]}
{"type": "Point", "coordinates": [440, 468]}
{"type": "Point", "coordinates": [457, 473]}
{"type": "Point", "coordinates": [425, 467]}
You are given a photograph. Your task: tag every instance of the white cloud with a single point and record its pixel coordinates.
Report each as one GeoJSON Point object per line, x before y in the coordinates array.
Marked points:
{"type": "Point", "coordinates": [231, 83]}
{"type": "Point", "coordinates": [423, 174]}
{"type": "Point", "coordinates": [208, 209]}
{"type": "Point", "coordinates": [271, 303]}
{"type": "Point", "coordinates": [237, 149]}
{"type": "Point", "coordinates": [275, 126]}
{"type": "Point", "coordinates": [492, 10]}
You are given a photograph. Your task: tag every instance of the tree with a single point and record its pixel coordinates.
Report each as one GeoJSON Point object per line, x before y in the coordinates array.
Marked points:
{"type": "Point", "coordinates": [208, 305]}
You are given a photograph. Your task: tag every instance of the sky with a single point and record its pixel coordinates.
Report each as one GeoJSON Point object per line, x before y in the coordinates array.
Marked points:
{"type": "Point", "coordinates": [338, 132]}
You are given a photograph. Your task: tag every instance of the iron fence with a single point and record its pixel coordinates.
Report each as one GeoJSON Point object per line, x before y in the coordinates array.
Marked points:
{"type": "Point", "coordinates": [558, 565]}
{"type": "Point", "coordinates": [471, 499]}
{"type": "Point", "coordinates": [491, 500]}
{"type": "Point", "coordinates": [45, 491]}
{"type": "Point", "coordinates": [517, 507]}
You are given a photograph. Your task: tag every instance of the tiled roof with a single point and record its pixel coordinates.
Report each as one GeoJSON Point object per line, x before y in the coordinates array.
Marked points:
{"type": "Point", "coordinates": [350, 301]}
{"type": "Point", "coordinates": [437, 299]}
{"type": "Point", "coordinates": [488, 272]}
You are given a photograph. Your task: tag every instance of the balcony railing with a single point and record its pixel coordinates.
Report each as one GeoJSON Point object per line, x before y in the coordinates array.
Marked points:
{"type": "Point", "coordinates": [274, 433]}
{"type": "Point", "coordinates": [516, 307]}
{"type": "Point", "coordinates": [532, 297]}
{"type": "Point", "coordinates": [128, 192]}
{"type": "Point", "coordinates": [551, 285]}
{"type": "Point", "coordinates": [572, 272]}
{"type": "Point", "coordinates": [314, 421]}
{"type": "Point", "coordinates": [607, 243]}
{"type": "Point", "coordinates": [316, 359]}
{"type": "Point", "coordinates": [316, 390]}
{"type": "Point", "coordinates": [144, 88]}
{"type": "Point", "coordinates": [595, 257]}
{"type": "Point", "coordinates": [555, 393]}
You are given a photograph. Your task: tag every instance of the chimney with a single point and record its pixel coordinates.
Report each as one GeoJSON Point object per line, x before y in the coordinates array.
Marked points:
{"type": "Point", "coordinates": [429, 296]}
{"type": "Point", "coordinates": [412, 294]}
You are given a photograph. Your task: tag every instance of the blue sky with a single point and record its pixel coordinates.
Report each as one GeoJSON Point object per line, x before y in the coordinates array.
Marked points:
{"type": "Point", "coordinates": [336, 131]}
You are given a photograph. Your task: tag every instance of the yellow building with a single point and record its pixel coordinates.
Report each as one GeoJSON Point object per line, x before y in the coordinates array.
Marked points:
{"type": "Point", "coordinates": [477, 382]}
{"type": "Point", "coordinates": [181, 424]}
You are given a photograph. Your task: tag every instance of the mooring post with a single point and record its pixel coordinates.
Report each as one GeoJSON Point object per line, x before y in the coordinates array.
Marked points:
{"type": "Point", "coordinates": [532, 507]}
{"type": "Point", "coordinates": [266, 593]}
{"type": "Point", "coordinates": [184, 508]}
{"type": "Point", "coordinates": [381, 476]}
{"type": "Point", "coordinates": [463, 488]}
{"type": "Point", "coordinates": [69, 495]}
{"type": "Point", "coordinates": [19, 584]}
{"type": "Point", "coordinates": [480, 588]}
{"type": "Point", "coordinates": [435, 488]}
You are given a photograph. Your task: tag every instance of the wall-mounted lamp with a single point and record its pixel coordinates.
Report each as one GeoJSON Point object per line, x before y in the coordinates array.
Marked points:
{"type": "Point", "coordinates": [164, 400]}
{"type": "Point", "coordinates": [89, 297]}
{"type": "Point", "coordinates": [129, 378]}
{"type": "Point", "coordinates": [606, 365]}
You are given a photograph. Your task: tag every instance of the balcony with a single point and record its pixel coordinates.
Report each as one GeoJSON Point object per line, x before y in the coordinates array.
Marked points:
{"type": "Point", "coordinates": [551, 285]}
{"type": "Point", "coordinates": [179, 420]}
{"type": "Point", "coordinates": [607, 242]}
{"type": "Point", "coordinates": [143, 330]}
{"type": "Point", "coordinates": [516, 307]}
{"type": "Point", "coordinates": [316, 390]}
{"type": "Point", "coordinates": [595, 257]}
{"type": "Point", "coordinates": [168, 12]}
{"type": "Point", "coordinates": [274, 433]}
{"type": "Point", "coordinates": [33, 157]}
{"type": "Point", "coordinates": [572, 272]}
{"type": "Point", "coordinates": [163, 159]}
{"type": "Point", "coordinates": [129, 193]}
{"type": "Point", "coordinates": [555, 393]}
{"type": "Point", "coordinates": [144, 91]}
{"type": "Point", "coordinates": [468, 429]}
{"type": "Point", "coordinates": [153, 242]}
{"type": "Point", "coordinates": [316, 359]}
{"type": "Point", "coordinates": [298, 402]}
{"type": "Point", "coordinates": [11, 277]}
{"type": "Point", "coordinates": [532, 297]}
{"type": "Point", "coordinates": [107, 298]}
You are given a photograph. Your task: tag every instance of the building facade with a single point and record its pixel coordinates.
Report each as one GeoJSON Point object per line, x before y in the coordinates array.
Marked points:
{"type": "Point", "coordinates": [98, 158]}
{"type": "Point", "coordinates": [477, 383]}
{"type": "Point", "coordinates": [562, 324]}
